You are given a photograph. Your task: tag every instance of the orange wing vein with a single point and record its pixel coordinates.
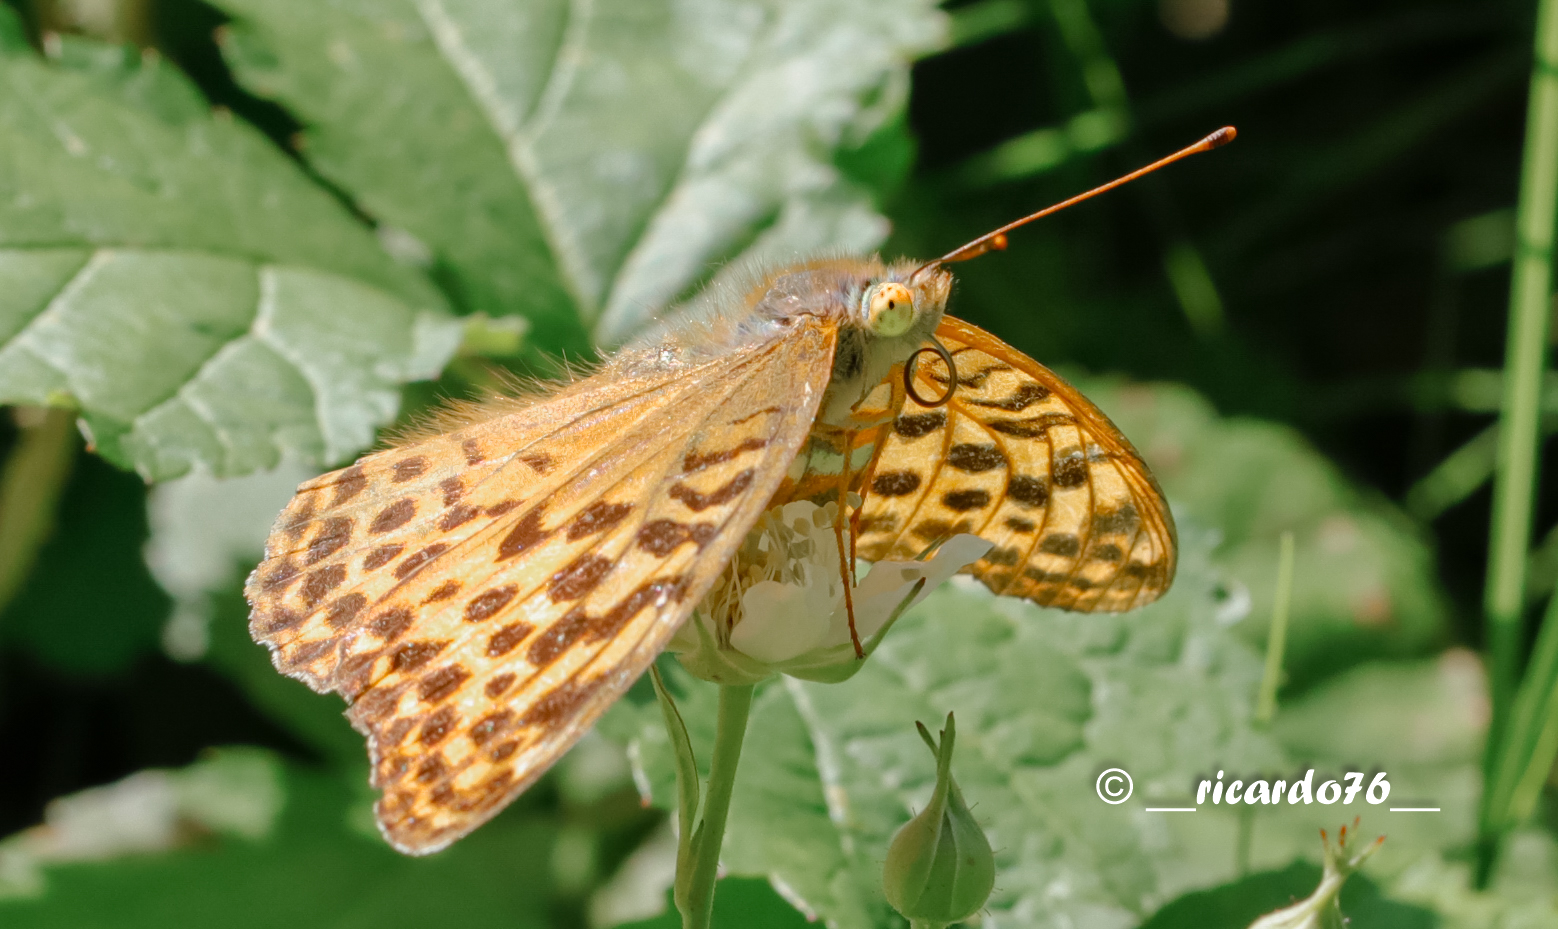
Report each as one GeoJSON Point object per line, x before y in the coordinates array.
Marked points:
{"type": "Point", "coordinates": [481, 597]}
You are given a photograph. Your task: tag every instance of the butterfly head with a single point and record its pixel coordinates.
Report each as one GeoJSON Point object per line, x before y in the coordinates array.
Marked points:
{"type": "Point", "coordinates": [889, 312]}
{"type": "Point", "coordinates": [888, 309]}
{"type": "Point", "coordinates": [894, 303]}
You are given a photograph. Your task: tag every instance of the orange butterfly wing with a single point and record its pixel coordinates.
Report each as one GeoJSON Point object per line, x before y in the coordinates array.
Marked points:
{"type": "Point", "coordinates": [480, 597]}
{"type": "Point", "coordinates": [1020, 458]}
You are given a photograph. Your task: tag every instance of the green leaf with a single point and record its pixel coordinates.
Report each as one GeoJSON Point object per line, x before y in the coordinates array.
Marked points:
{"type": "Point", "coordinates": [577, 161]}
{"type": "Point", "coordinates": [1365, 584]}
{"type": "Point", "coordinates": [312, 867]}
{"type": "Point", "coordinates": [739, 903]}
{"type": "Point", "coordinates": [1045, 701]}
{"type": "Point", "coordinates": [1236, 905]}
{"type": "Point", "coordinates": [194, 294]}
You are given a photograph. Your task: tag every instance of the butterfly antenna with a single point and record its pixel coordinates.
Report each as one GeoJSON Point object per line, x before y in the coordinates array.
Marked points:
{"type": "Point", "coordinates": [996, 241]}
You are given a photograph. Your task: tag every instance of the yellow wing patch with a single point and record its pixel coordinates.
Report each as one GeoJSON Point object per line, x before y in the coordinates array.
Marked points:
{"type": "Point", "coordinates": [1020, 458]}
{"type": "Point", "coordinates": [481, 597]}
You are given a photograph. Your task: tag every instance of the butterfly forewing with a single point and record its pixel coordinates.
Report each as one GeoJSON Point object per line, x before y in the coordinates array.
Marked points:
{"type": "Point", "coordinates": [481, 596]}
{"type": "Point", "coordinates": [1020, 458]}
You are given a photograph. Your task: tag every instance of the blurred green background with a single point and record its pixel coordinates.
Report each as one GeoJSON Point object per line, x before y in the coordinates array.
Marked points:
{"type": "Point", "coordinates": [1302, 332]}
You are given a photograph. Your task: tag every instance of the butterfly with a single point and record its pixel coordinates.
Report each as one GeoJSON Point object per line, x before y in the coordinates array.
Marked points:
{"type": "Point", "coordinates": [481, 591]}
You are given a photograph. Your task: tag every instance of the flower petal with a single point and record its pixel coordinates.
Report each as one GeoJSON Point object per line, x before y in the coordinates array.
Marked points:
{"type": "Point", "coordinates": [778, 622]}
{"type": "Point", "coordinates": [890, 581]}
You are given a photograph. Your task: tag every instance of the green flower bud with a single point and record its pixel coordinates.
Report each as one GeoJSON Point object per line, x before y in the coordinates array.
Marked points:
{"type": "Point", "coordinates": [940, 868]}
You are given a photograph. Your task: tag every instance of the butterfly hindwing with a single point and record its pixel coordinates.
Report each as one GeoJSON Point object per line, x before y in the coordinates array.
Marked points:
{"type": "Point", "coordinates": [1020, 458]}
{"type": "Point", "coordinates": [480, 597]}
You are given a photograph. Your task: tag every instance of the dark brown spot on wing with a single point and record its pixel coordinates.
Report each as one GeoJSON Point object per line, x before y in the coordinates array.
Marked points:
{"type": "Point", "coordinates": [452, 490]}
{"type": "Point", "coordinates": [280, 577]}
{"type": "Point", "coordinates": [391, 624]}
{"type": "Point", "coordinates": [698, 502]}
{"type": "Point", "coordinates": [885, 522]}
{"type": "Point", "coordinates": [895, 483]}
{"type": "Point", "coordinates": [525, 535]}
{"type": "Point", "coordinates": [300, 518]}
{"type": "Point", "coordinates": [320, 581]}
{"type": "Point", "coordinates": [345, 609]}
{"type": "Point", "coordinates": [697, 462]}
{"type": "Point", "coordinates": [1028, 491]}
{"type": "Point", "coordinates": [975, 458]}
{"type": "Point", "coordinates": [1033, 427]}
{"type": "Point", "coordinates": [307, 652]}
{"type": "Point", "coordinates": [487, 603]}
{"type": "Point", "coordinates": [577, 625]}
{"type": "Point", "coordinates": [1060, 543]}
{"type": "Point", "coordinates": [443, 592]}
{"type": "Point", "coordinates": [414, 655]}
{"type": "Point", "coordinates": [438, 726]}
{"type": "Point", "coordinates": [1124, 519]}
{"type": "Point", "coordinates": [597, 517]}
{"type": "Point", "coordinates": [975, 380]}
{"type": "Point", "coordinates": [1018, 524]}
{"type": "Point", "coordinates": [539, 463]}
{"type": "Point", "coordinates": [382, 556]}
{"type": "Point", "coordinates": [559, 705]}
{"type": "Point", "coordinates": [432, 769]}
{"type": "Point", "coordinates": [918, 425]}
{"type": "Point", "coordinates": [1070, 470]}
{"type": "Point", "coordinates": [1108, 552]}
{"type": "Point", "coordinates": [1003, 556]}
{"type": "Point", "coordinates": [1026, 395]}
{"type": "Point", "coordinates": [504, 640]}
{"type": "Point", "coordinates": [457, 516]}
{"type": "Point", "coordinates": [279, 619]}
{"type": "Point", "coordinates": [933, 529]}
{"type": "Point", "coordinates": [578, 578]}
{"type": "Point", "coordinates": [394, 516]}
{"type": "Point", "coordinates": [663, 536]}
{"type": "Point", "coordinates": [349, 484]}
{"type": "Point", "coordinates": [557, 639]}
{"type": "Point", "coordinates": [333, 535]}
{"type": "Point", "coordinates": [353, 676]}
{"type": "Point", "coordinates": [498, 509]}
{"type": "Point", "coordinates": [408, 468]}
{"type": "Point", "coordinates": [496, 687]}
{"type": "Point", "coordinates": [965, 500]}
{"type": "Point", "coordinates": [443, 682]}
{"type": "Point", "coordinates": [414, 562]}
{"type": "Point", "coordinates": [491, 725]}
{"type": "Point", "coordinates": [473, 452]}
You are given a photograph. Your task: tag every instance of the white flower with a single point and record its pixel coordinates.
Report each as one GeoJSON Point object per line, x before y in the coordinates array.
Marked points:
{"type": "Point", "coordinates": [779, 607]}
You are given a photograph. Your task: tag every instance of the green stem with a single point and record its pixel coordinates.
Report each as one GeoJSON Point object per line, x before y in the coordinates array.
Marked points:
{"type": "Point", "coordinates": [1531, 740]}
{"type": "Point", "coordinates": [31, 481]}
{"type": "Point", "coordinates": [1525, 358]}
{"type": "Point", "coordinates": [1277, 636]}
{"type": "Point", "coordinates": [695, 890]}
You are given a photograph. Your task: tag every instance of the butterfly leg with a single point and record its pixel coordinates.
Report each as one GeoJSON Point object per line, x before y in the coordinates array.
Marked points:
{"type": "Point", "coordinates": [844, 571]}
{"type": "Point", "coordinates": [847, 551]}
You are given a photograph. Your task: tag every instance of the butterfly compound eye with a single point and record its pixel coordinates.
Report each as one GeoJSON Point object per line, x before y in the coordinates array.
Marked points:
{"type": "Point", "coordinates": [889, 309]}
